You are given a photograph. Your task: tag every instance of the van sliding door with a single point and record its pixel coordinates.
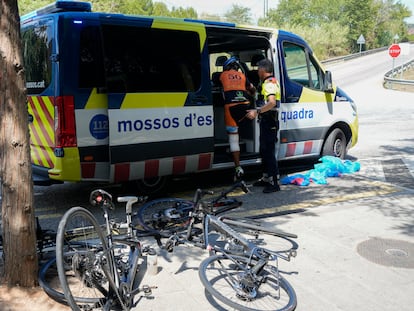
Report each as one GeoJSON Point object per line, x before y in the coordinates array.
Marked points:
{"type": "Point", "coordinates": [160, 118]}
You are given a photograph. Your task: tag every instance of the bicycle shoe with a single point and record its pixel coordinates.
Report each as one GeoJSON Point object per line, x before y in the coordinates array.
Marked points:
{"type": "Point", "coordinates": [271, 188]}
{"type": "Point", "coordinates": [262, 183]}
{"type": "Point", "coordinates": [238, 174]}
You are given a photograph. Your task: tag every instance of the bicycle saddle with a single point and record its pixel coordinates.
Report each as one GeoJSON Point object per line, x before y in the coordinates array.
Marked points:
{"type": "Point", "coordinates": [101, 198]}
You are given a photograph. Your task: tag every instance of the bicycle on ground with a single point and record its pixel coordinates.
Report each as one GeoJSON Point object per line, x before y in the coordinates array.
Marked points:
{"type": "Point", "coordinates": [240, 272]}
{"type": "Point", "coordinates": [98, 267]}
{"type": "Point", "coordinates": [167, 216]}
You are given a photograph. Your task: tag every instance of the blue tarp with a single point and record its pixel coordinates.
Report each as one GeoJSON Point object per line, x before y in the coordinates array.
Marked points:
{"type": "Point", "coordinates": [329, 167]}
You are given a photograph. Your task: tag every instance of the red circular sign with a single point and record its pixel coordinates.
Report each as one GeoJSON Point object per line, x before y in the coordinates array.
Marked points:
{"type": "Point", "coordinates": [394, 50]}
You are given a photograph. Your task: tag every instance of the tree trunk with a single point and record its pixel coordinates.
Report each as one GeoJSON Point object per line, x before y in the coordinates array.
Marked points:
{"type": "Point", "coordinates": [18, 222]}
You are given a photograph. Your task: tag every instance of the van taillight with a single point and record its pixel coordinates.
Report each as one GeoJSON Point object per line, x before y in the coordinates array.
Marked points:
{"type": "Point", "coordinates": [65, 126]}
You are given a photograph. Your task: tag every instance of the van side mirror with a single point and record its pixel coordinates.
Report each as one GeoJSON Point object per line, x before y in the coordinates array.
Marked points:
{"type": "Point", "coordinates": [327, 82]}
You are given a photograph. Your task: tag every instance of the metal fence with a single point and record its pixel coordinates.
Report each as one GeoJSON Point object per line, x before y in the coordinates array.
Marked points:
{"type": "Point", "coordinates": [352, 56]}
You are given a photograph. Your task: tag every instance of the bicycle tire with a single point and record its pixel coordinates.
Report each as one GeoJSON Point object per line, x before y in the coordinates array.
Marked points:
{"type": "Point", "coordinates": [164, 216]}
{"type": "Point", "coordinates": [218, 272]}
{"type": "Point", "coordinates": [49, 281]}
{"type": "Point", "coordinates": [284, 243]}
{"type": "Point", "coordinates": [80, 244]}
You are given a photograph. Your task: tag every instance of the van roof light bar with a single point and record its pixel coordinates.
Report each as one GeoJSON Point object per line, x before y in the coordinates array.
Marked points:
{"type": "Point", "coordinates": [62, 6]}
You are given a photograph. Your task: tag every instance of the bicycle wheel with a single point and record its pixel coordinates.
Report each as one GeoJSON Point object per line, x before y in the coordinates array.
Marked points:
{"type": "Point", "coordinates": [81, 250]}
{"type": "Point", "coordinates": [283, 243]}
{"type": "Point", "coordinates": [49, 281]}
{"type": "Point", "coordinates": [231, 281]}
{"type": "Point", "coordinates": [165, 216]}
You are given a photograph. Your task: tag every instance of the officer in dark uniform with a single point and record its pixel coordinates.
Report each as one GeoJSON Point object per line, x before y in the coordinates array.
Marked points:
{"type": "Point", "coordinates": [266, 111]}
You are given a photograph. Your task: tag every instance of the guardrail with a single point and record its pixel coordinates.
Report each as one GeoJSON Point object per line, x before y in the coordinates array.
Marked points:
{"type": "Point", "coordinates": [389, 77]}
{"type": "Point", "coordinates": [355, 55]}
{"type": "Point", "coordinates": [352, 56]}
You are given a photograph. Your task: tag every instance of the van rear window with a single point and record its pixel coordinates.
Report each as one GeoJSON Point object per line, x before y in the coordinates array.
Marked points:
{"type": "Point", "coordinates": [37, 56]}
{"type": "Point", "coordinates": [151, 60]}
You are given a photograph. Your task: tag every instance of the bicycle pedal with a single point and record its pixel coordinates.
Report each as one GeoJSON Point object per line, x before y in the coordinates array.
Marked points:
{"type": "Point", "coordinates": [147, 290]}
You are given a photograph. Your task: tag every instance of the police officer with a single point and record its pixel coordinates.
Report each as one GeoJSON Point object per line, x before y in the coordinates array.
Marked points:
{"type": "Point", "coordinates": [266, 111]}
{"type": "Point", "coordinates": [236, 90]}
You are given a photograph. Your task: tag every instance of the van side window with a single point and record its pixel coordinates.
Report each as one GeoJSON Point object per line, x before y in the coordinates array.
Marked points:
{"type": "Point", "coordinates": [91, 67]}
{"type": "Point", "coordinates": [141, 59]}
{"type": "Point", "coordinates": [301, 67]}
{"type": "Point", "coordinates": [37, 52]}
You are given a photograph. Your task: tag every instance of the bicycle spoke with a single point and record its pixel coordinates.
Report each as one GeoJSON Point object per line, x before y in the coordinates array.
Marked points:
{"type": "Point", "coordinates": [167, 216]}
{"type": "Point", "coordinates": [81, 251]}
{"type": "Point", "coordinates": [231, 282]}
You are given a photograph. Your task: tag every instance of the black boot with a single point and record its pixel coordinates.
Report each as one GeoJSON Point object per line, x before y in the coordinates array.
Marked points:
{"type": "Point", "coordinates": [273, 187]}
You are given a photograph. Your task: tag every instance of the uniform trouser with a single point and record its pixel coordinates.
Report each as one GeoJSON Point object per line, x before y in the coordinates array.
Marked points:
{"type": "Point", "coordinates": [268, 140]}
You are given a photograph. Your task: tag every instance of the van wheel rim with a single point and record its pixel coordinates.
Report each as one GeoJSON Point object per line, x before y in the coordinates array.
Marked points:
{"type": "Point", "coordinates": [337, 148]}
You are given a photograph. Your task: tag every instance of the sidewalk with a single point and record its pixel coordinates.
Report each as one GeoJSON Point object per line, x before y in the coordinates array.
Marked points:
{"type": "Point", "coordinates": [356, 252]}
{"type": "Point", "coordinates": [355, 255]}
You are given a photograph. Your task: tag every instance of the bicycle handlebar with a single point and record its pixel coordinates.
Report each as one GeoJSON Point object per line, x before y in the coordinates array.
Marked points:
{"type": "Point", "coordinates": [200, 193]}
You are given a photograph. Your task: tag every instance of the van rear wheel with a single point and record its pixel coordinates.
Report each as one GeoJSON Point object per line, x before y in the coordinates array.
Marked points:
{"type": "Point", "coordinates": [150, 186]}
{"type": "Point", "coordinates": [335, 144]}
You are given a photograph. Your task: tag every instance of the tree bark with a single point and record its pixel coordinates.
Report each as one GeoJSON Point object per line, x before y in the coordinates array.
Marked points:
{"type": "Point", "coordinates": [18, 221]}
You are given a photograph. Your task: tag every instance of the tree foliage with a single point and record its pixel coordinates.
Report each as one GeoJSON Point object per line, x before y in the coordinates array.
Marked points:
{"type": "Point", "coordinates": [238, 14]}
{"type": "Point", "coordinates": [330, 26]}
{"type": "Point", "coordinates": [133, 7]}
{"type": "Point", "coordinates": [327, 22]}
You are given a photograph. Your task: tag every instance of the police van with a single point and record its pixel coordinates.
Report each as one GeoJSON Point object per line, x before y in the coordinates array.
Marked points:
{"type": "Point", "coordinates": [117, 98]}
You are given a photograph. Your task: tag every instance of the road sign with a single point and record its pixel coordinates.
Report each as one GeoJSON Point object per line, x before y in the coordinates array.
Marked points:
{"type": "Point", "coordinates": [361, 40]}
{"type": "Point", "coordinates": [394, 50]}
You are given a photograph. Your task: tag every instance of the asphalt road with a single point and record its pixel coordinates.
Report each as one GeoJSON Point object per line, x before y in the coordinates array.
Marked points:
{"type": "Point", "coordinates": [385, 148]}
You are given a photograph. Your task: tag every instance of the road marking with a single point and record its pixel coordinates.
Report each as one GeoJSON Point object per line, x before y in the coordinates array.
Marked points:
{"type": "Point", "coordinates": [372, 168]}
{"type": "Point", "coordinates": [396, 170]}
{"type": "Point", "coordinates": [49, 216]}
{"type": "Point", "coordinates": [382, 189]}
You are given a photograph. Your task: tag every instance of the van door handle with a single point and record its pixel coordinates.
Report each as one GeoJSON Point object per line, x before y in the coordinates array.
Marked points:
{"type": "Point", "coordinates": [199, 99]}
{"type": "Point", "coordinates": [292, 99]}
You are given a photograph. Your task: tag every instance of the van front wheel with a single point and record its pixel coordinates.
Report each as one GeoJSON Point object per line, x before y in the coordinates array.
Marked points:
{"type": "Point", "coordinates": [335, 144]}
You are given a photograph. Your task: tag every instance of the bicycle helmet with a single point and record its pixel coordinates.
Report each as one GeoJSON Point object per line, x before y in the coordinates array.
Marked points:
{"type": "Point", "coordinates": [232, 62]}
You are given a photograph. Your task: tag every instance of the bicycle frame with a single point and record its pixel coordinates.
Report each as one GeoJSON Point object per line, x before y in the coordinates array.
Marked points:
{"type": "Point", "coordinates": [121, 276]}
{"type": "Point", "coordinates": [250, 249]}
{"type": "Point", "coordinates": [249, 269]}
{"type": "Point", "coordinates": [123, 287]}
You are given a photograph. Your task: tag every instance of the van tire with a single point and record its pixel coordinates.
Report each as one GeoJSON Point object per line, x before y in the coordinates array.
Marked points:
{"type": "Point", "coordinates": [335, 144]}
{"type": "Point", "coordinates": [151, 186]}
